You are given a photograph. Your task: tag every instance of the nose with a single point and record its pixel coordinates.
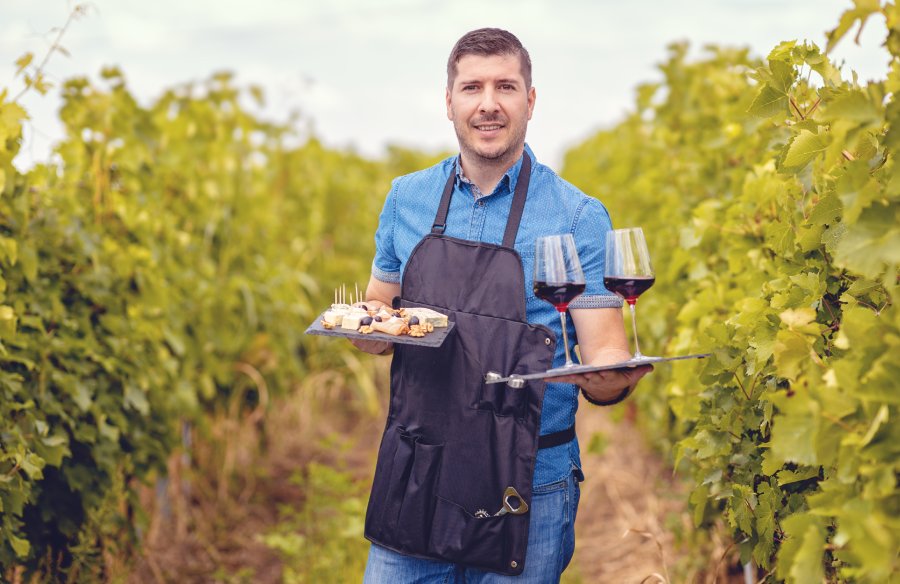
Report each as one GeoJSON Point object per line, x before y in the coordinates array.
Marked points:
{"type": "Point", "coordinates": [488, 101]}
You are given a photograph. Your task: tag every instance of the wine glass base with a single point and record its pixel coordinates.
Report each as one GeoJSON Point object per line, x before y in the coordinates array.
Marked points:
{"type": "Point", "coordinates": [643, 360]}
{"type": "Point", "coordinates": [572, 369]}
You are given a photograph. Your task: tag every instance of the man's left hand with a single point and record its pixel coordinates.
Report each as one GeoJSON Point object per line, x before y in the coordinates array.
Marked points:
{"type": "Point", "coordinates": [606, 385]}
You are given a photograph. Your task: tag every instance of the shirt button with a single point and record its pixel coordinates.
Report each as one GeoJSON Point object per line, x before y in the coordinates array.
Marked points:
{"type": "Point", "coordinates": [547, 341]}
{"type": "Point", "coordinates": [481, 203]}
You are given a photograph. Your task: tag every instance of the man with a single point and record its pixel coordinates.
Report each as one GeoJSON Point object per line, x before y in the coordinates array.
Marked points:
{"type": "Point", "coordinates": [478, 482]}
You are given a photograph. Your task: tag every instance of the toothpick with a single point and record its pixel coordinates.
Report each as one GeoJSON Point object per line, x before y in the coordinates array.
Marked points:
{"type": "Point", "coordinates": [356, 296]}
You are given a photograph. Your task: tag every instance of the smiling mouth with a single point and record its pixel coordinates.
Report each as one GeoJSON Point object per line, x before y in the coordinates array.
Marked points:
{"type": "Point", "coordinates": [488, 127]}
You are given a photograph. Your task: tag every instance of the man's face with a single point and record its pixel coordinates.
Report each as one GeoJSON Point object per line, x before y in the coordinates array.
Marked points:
{"type": "Point", "coordinates": [490, 106]}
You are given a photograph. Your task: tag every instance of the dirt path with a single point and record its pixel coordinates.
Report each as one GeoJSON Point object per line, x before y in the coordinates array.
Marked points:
{"type": "Point", "coordinates": [631, 508]}
{"type": "Point", "coordinates": [627, 497]}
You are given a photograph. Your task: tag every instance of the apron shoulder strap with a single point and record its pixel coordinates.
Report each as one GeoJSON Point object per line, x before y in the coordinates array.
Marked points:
{"type": "Point", "coordinates": [515, 211]}
{"type": "Point", "coordinates": [518, 203]}
{"type": "Point", "coordinates": [440, 219]}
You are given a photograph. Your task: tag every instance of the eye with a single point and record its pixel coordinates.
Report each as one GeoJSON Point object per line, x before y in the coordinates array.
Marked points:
{"type": "Point", "coordinates": [507, 87]}
{"type": "Point", "coordinates": [469, 87]}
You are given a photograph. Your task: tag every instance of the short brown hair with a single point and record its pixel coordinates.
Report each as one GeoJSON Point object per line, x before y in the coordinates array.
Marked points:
{"type": "Point", "coordinates": [488, 42]}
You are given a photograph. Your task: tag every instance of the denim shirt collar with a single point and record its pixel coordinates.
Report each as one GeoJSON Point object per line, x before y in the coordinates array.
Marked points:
{"type": "Point", "coordinates": [507, 182]}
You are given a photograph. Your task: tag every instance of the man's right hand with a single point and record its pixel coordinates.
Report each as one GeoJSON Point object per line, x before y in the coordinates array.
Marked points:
{"type": "Point", "coordinates": [373, 347]}
{"type": "Point", "coordinates": [378, 294]}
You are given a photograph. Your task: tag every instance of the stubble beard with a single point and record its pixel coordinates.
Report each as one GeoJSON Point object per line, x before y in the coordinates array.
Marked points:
{"type": "Point", "coordinates": [504, 154]}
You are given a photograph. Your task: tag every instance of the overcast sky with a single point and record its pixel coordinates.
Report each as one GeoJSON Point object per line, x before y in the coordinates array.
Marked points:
{"type": "Point", "coordinates": [371, 72]}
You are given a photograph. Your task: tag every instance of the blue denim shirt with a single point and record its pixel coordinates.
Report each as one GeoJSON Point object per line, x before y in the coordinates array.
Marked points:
{"type": "Point", "coordinates": [553, 206]}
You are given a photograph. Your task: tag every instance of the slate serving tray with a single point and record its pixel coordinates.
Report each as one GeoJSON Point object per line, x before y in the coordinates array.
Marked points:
{"type": "Point", "coordinates": [591, 368]}
{"type": "Point", "coordinates": [433, 339]}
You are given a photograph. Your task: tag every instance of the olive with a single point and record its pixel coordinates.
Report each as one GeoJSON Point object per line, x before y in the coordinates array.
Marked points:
{"type": "Point", "coordinates": [364, 307]}
{"type": "Point", "coordinates": [365, 321]}
{"type": "Point", "coordinates": [413, 320]}
{"type": "Point", "coordinates": [377, 319]}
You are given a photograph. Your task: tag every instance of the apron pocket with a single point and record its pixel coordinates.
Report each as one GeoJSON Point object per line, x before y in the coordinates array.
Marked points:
{"type": "Point", "coordinates": [401, 464]}
{"type": "Point", "coordinates": [417, 508]}
{"type": "Point", "coordinates": [502, 399]}
{"type": "Point", "coordinates": [459, 536]}
{"type": "Point", "coordinates": [402, 500]}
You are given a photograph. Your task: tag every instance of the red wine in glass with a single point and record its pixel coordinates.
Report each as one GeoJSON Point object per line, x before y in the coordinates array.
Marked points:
{"type": "Point", "coordinates": [559, 295]}
{"type": "Point", "coordinates": [627, 271]}
{"type": "Point", "coordinates": [628, 288]}
{"type": "Point", "coordinates": [558, 277]}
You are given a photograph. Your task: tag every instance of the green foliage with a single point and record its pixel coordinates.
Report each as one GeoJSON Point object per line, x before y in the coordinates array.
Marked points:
{"type": "Point", "coordinates": [778, 251]}
{"type": "Point", "coordinates": [170, 250]}
{"type": "Point", "coordinates": [322, 542]}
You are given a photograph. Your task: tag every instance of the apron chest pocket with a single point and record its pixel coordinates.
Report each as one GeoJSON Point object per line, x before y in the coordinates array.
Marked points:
{"type": "Point", "coordinates": [502, 399]}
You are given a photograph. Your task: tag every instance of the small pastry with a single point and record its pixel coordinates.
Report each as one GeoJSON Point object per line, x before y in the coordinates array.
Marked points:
{"type": "Point", "coordinates": [391, 326]}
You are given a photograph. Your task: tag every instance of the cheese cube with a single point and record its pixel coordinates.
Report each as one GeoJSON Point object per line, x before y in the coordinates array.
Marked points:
{"type": "Point", "coordinates": [334, 317]}
{"type": "Point", "coordinates": [351, 321]}
{"type": "Point", "coordinates": [432, 317]}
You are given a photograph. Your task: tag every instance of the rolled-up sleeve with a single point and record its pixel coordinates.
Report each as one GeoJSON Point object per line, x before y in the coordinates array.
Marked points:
{"type": "Point", "coordinates": [590, 228]}
{"type": "Point", "coordinates": [386, 265]}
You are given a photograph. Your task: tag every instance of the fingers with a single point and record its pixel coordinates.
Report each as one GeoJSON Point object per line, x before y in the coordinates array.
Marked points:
{"type": "Point", "coordinates": [638, 372]}
{"type": "Point", "coordinates": [611, 379]}
{"type": "Point", "coordinates": [372, 347]}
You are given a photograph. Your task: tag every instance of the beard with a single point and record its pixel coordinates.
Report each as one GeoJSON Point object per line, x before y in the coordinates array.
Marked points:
{"type": "Point", "coordinates": [499, 152]}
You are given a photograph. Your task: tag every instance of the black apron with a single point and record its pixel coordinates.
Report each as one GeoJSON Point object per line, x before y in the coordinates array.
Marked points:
{"type": "Point", "coordinates": [452, 444]}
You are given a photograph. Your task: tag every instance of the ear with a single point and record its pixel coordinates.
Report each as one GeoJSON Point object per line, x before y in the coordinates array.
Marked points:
{"type": "Point", "coordinates": [449, 105]}
{"type": "Point", "coordinates": [532, 95]}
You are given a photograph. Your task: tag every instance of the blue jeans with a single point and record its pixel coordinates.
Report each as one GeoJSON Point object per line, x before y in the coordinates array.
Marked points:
{"type": "Point", "coordinates": [551, 543]}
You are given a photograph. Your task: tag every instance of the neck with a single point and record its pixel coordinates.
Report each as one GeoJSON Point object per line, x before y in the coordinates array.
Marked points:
{"type": "Point", "coordinates": [485, 172]}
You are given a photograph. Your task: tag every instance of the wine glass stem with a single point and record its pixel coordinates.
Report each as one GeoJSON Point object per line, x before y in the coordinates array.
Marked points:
{"type": "Point", "coordinates": [637, 346]}
{"type": "Point", "coordinates": [562, 321]}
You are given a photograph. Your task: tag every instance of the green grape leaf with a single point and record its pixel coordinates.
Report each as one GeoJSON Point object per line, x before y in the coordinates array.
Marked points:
{"type": "Point", "coordinates": [768, 503]}
{"type": "Point", "coordinates": [786, 477]}
{"type": "Point", "coordinates": [698, 499]}
{"type": "Point", "coordinates": [872, 244]}
{"type": "Point", "coordinates": [791, 352]}
{"type": "Point", "coordinates": [861, 12]}
{"type": "Point", "coordinates": [826, 210]}
{"type": "Point", "coordinates": [768, 102]}
{"type": "Point", "coordinates": [802, 148]}
{"type": "Point", "coordinates": [20, 546]}
{"type": "Point", "coordinates": [800, 319]}
{"type": "Point", "coordinates": [742, 505]}
{"type": "Point", "coordinates": [793, 439]}
{"type": "Point", "coordinates": [853, 106]}
{"type": "Point", "coordinates": [771, 463]}
{"type": "Point", "coordinates": [780, 237]}
{"type": "Point", "coordinates": [800, 559]}
{"type": "Point", "coordinates": [136, 399]}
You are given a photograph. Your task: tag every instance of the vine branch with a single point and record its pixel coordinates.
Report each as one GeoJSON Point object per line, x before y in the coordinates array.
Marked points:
{"type": "Point", "coordinates": [796, 108]}
{"type": "Point", "coordinates": [744, 391]}
{"type": "Point", "coordinates": [77, 12]}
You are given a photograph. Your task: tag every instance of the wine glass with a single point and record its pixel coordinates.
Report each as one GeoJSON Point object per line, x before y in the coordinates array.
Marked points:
{"type": "Point", "coordinates": [627, 271]}
{"type": "Point", "coordinates": [558, 277]}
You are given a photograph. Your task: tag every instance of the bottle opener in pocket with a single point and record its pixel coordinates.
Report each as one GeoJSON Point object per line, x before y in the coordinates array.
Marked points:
{"type": "Point", "coordinates": [508, 494]}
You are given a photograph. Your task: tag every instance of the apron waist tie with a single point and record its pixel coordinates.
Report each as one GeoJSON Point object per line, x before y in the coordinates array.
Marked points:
{"type": "Point", "coordinates": [556, 438]}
